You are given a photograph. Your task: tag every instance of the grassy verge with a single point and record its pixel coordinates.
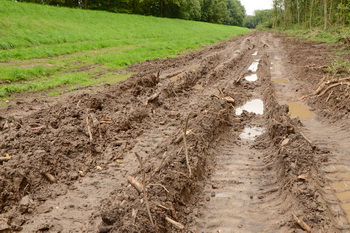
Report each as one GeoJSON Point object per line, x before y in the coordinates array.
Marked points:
{"type": "Point", "coordinates": [332, 35]}
{"type": "Point", "coordinates": [43, 47]}
{"type": "Point", "coordinates": [341, 64]}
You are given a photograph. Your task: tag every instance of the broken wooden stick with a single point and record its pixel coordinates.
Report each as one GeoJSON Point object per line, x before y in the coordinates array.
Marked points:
{"type": "Point", "coordinates": [176, 224]}
{"type": "Point", "coordinates": [88, 128]}
{"type": "Point", "coordinates": [4, 159]}
{"type": "Point", "coordinates": [333, 85]}
{"type": "Point", "coordinates": [306, 139]}
{"type": "Point", "coordinates": [180, 137]}
{"type": "Point", "coordinates": [302, 224]}
{"type": "Point", "coordinates": [324, 86]}
{"type": "Point", "coordinates": [185, 146]}
{"type": "Point", "coordinates": [329, 96]}
{"type": "Point", "coordinates": [160, 185]}
{"type": "Point", "coordinates": [135, 184]}
{"type": "Point", "coordinates": [228, 99]}
{"type": "Point", "coordinates": [160, 164]}
{"type": "Point", "coordinates": [144, 188]}
{"type": "Point", "coordinates": [50, 177]}
{"type": "Point", "coordinates": [151, 98]}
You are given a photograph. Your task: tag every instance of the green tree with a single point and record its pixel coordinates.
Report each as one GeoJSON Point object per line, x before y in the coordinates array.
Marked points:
{"type": "Point", "coordinates": [214, 11]}
{"type": "Point", "coordinates": [236, 13]}
{"type": "Point", "coordinates": [190, 9]}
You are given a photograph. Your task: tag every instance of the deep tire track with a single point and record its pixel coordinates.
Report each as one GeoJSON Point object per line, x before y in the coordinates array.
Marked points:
{"type": "Point", "coordinates": [243, 193]}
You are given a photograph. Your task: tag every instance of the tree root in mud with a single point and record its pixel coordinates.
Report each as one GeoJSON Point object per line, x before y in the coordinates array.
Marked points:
{"type": "Point", "coordinates": [325, 86]}
{"type": "Point", "coordinates": [175, 188]}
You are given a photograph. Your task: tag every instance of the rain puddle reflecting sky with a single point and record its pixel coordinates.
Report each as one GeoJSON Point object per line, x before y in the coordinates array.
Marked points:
{"type": "Point", "coordinates": [254, 106]}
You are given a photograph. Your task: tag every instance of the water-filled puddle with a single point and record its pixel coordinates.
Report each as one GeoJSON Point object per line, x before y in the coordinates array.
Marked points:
{"type": "Point", "coordinates": [343, 196]}
{"type": "Point", "coordinates": [280, 80]}
{"type": "Point", "coordinates": [336, 168]}
{"type": "Point", "coordinates": [299, 110]}
{"type": "Point", "coordinates": [254, 106]}
{"type": "Point", "coordinates": [250, 133]}
{"type": "Point", "coordinates": [251, 78]}
{"type": "Point", "coordinates": [256, 53]}
{"type": "Point", "coordinates": [342, 190]}
{"type": "Point", "coordinates": [254, 66]}
{"type": "Point", "coordinates": [346, 208]}
{"type": "Point", "coordinates": [341, 186]}
{"type": "Point", "coordinates": [339, 176]}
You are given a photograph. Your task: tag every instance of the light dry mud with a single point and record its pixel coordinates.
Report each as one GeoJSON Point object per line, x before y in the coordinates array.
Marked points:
{"type": "Point", "coordinates": [254, 153]}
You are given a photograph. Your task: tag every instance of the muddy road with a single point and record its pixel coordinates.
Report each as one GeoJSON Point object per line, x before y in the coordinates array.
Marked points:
{"type": "Point", "coordinates": [248, 135]}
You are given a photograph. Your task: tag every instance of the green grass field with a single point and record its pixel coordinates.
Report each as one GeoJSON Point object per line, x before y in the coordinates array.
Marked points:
{"type": "Point", "coordinates": [43, 47]}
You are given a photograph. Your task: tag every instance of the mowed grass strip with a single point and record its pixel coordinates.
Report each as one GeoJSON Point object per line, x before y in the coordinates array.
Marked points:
{"type": "Point", "coordinates": [41, 47]}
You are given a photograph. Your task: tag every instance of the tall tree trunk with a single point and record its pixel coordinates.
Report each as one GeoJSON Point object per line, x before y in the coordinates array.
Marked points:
{"type": "Point", "coordinates": [311, 12]}
{"type": "Point", "coordinates": [325, 15]}
{"type": "Point", "coordinates": [298, 11]}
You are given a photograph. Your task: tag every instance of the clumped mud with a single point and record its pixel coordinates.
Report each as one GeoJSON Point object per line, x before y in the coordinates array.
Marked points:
{"type": "Point", "coordinates": [60, 147]}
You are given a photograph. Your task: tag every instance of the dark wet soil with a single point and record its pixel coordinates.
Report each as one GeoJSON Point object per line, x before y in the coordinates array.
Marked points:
{"type": "Point", "coordinates": [66, 164]}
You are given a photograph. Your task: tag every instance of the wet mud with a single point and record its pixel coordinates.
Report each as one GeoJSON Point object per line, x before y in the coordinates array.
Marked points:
{"type": "Point", "coordinates": [213, 141]}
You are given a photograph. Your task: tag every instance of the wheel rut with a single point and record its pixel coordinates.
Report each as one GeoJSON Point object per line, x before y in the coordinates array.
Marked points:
{"type": "Point", "coordinates": [332, 139]}
{"type": "Point", "coordinates": [243, 192]}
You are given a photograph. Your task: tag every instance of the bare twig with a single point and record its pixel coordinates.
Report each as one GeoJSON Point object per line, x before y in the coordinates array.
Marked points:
{"type": "Point", "coordinates": [302, 224]}
{"type": "Point", "coordinates": [135, 184]}
{"type": "Point", "coordinates": [160, 186]}
{"type": "Point", "coordinates": [308, 140]}
{"type": "Point", "coordinates": [151, 98]}
{"type": "Point", "coordinates": [78, 103]}
{"type": "Point", "coordinates": [144, 188]}
{"type": "Point", "coordinates": [238, 80]}
{"type": "Point", "coordinates": [165, 156]}
{"type": "Point", "coordinates": [163, 207]}
{"type": "Point", "coordinates": [324, 86]}
{"type": "Point", "coordinates": [88, 128]}
{"type": "Point", "coordinates": [176, 224]}
{"type": "Point", "coordinates": [134, 214]}
{"type": "Point", "coordinates": [228, 99]}
{"type": "Point", "coordinates": [329, 96]}
{"type": "Point", "coordinates": [185, 146]}
{"type": "Point", "coordinates": [221, 93]}
{"type": "Point", "coordinates": [333, 85]}
{"type": "Point", "coordinates": [2, 159]}
{"type": "Point", "coordinates": [180, 137]}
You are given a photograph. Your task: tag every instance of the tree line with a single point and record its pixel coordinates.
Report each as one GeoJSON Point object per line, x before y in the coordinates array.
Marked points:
{"type": "Point", "coordinates": [230, 12]}
{"type": "Point", "coordinates": [311, 13]}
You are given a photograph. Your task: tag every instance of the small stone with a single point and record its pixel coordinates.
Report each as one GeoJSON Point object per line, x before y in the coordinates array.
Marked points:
{"type": "Point", "coordinates": [212, 194]}
{"type": "Point", "coordinates": [285, 142]}
{"type": "Point", "coordinates": [105, 229]}
{"type": "Point", "coordinates": [25, 204]}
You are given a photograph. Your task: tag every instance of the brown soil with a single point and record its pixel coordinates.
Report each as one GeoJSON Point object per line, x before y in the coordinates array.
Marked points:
{"type": "Point", "coordinates": [70, 158]}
